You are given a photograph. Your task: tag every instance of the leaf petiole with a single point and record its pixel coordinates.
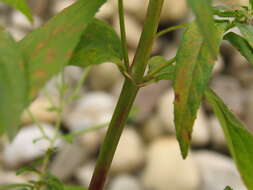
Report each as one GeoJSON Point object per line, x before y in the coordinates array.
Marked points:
{"type": "Point", "coordinates": [170, 29]}
{"type": "Point", "coordinates": [152, 75]}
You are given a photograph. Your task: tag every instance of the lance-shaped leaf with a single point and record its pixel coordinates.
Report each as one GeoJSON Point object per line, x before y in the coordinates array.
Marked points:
{"type": "Point", "coordinates": [247, 32]}
{"type": "Point", "coordinates": [13, 86]}
{"type": "Point", "coordinates": [161, 68]}
{"type": "Point", "coordinates": [194, 64]}
{"type": "Point", "coordinates": [99, 43]}
{"type": "Point", "coordinates": [241, 45]}
{"type": "Point", "coordinates": [48, 49]}
{"type": "Point", "coordinates": [20, 5]}
{"type": "Point", "coordinates": [203, 12]}
{"type": "Point", "coordinates": [239, 140]}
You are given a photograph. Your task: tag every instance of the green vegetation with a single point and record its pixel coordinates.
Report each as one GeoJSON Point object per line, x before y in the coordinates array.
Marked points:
{"type": "Point", "coordinates": [75, 37]}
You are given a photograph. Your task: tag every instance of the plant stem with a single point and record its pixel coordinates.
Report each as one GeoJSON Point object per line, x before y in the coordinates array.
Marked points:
{"type": "Point", "coordinates": [57, 127]}
{"type": "Point", "coordinates": [170, 29]}
{"type": "Point", "coordinates": [123, 33]}
{"type": "Point", "coordinates": [127, 97]}
{"type": "Point", "coordinates": [147, 38]}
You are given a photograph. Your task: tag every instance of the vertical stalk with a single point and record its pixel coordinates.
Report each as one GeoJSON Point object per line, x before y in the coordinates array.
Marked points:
{"type": "Point", "coordinates": [127, 96]}
{"type": "Point", "coordinates": [123, 33]}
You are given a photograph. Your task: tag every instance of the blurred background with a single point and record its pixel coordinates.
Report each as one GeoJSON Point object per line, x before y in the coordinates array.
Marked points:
{"type": "Point", "coordinates": [148, 156]}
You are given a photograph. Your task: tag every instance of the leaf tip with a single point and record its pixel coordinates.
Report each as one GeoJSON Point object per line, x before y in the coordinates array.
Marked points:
{"type": "Point", "coordinates": [184, 144]}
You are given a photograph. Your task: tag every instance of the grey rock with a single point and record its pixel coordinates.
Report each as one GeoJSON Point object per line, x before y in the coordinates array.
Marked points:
{"type": "Point", "coordinates": [92, 109]}
{"type": "Point", "coordinates": [14, 155]}
{"type": "Point", "coordinates": [133, 30]}
{"type": "Point", "coordinates": [84, 173]}
{"type": "Point", "coordinates": [125, 182]}
{"type": "Point", "coordinates": [107, 10]}
{"type": "Point", "coordinates": [148, 97]}
{"type": "Point", "coordinates": [229, 89]}
{"type": "Point", "coordinates": [19, 20]}
{"type": "Point", "coordinates": [166, 169]}
{"type": "Point", "coordinates": [8, 177]}
{"type": "Point", "coordinates": [59, 5]}
{"type": "Point", "coordinates": [153, 128]}
{"type": "Point", "coordinates": [73, 155]}
{"type": "Point", "coordinates": [40, 110]}
{"type": "Point", "coordinates": [217, 171]}
{"type": "Point", "coordinates": [130, 153]}
{"type": "Point", "coordinates": [217, 135]}
{"type": "Point", "coordinates": [104, 76]}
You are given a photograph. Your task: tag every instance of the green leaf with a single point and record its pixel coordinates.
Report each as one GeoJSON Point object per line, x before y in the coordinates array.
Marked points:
{"type": "Point", "coordinates": [228, 188]}
{"type": "Point", "coordinates": [51, 182]}
{"type": "Point", "coordinates": [12, 186]}
{"type": "Point", "coordinates": [74, 188]}
{"type": "Point", "coordinates": [22, 6]}
{"type": "Point", "coordinates": [48, 49]}
{"type": "Point", "coordinates": [161, 68]}
{"type": "Point", "coordinates": [100, 43]}
{"type": "Point", "coordinates": [241, 45]}
{"type": "Point", "coordinates": [203, 12]}
{"type": "Point", "coordinates": [223, 11]}
{"type": "Point", "coordinates": [13, 87]}
{"type": "Point", "coordinates": [247, 32]}
{"type": "Point", "coordinates": [240, 141]}
{"type": "Point", "coordinates": [193, 69]}
{"type": "Point", "coordinates": [29, 169]}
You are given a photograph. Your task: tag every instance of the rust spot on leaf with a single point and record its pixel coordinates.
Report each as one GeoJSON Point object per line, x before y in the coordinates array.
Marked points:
{"type": "Point", "coordinates": [69, 54]}
{"type": "Point", "coordinates": [49, 58]}
{"type": "Point", "coordinates": [186, 135]}
{"type": "Point", "coordinates": [50, 55]}
{"type": "Point", "coordinates": [77, 28]}
{"type": "Point", "coordinates": [41, 45]}
{"type": "Point", "coordinates": [38, 49]}
{"type": "Point", "coordinates": [40, 74]}
{"type": "Point", "coordinates": [21, 65]}
{"type": "Point", "coordinates": [58, 30]}
{"type": "Point", "coordinates": [177, 97]}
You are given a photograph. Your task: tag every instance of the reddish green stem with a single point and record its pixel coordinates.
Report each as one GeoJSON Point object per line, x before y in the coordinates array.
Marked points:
{"type": "Point", "coordinates": [127, 97]}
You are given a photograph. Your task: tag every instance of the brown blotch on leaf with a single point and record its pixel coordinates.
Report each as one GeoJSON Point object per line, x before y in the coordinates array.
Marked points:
{"type": "Point", "coordinates": [41, 45]}
{"type": "Point", "coordinates": [50, 58]}
{"type": "Point", "coordinates": [76, 28]}
{"type": "Point", "coordinates": [50, 55]}
{"type": "Point", "coordinates": [177, 97]}
{"type": "Point", "coordinates": [21, 65]}
{"type": "Point", "coordinates": [40, 74]}
{"type": "Point", "coordinates": [58, 30]}
{"type": "Point", "coordinates": [69, 54]}
{"type": "Point", "coordinates": [186, 135]}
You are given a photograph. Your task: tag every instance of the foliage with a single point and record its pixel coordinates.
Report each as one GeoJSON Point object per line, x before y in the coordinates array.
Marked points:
{"type": "Point", "coordinates": [13, 85]}
{"type": "Point", "coordinates": [75, 37]}
{"type": "Point", "coordinates": [193, 70]}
